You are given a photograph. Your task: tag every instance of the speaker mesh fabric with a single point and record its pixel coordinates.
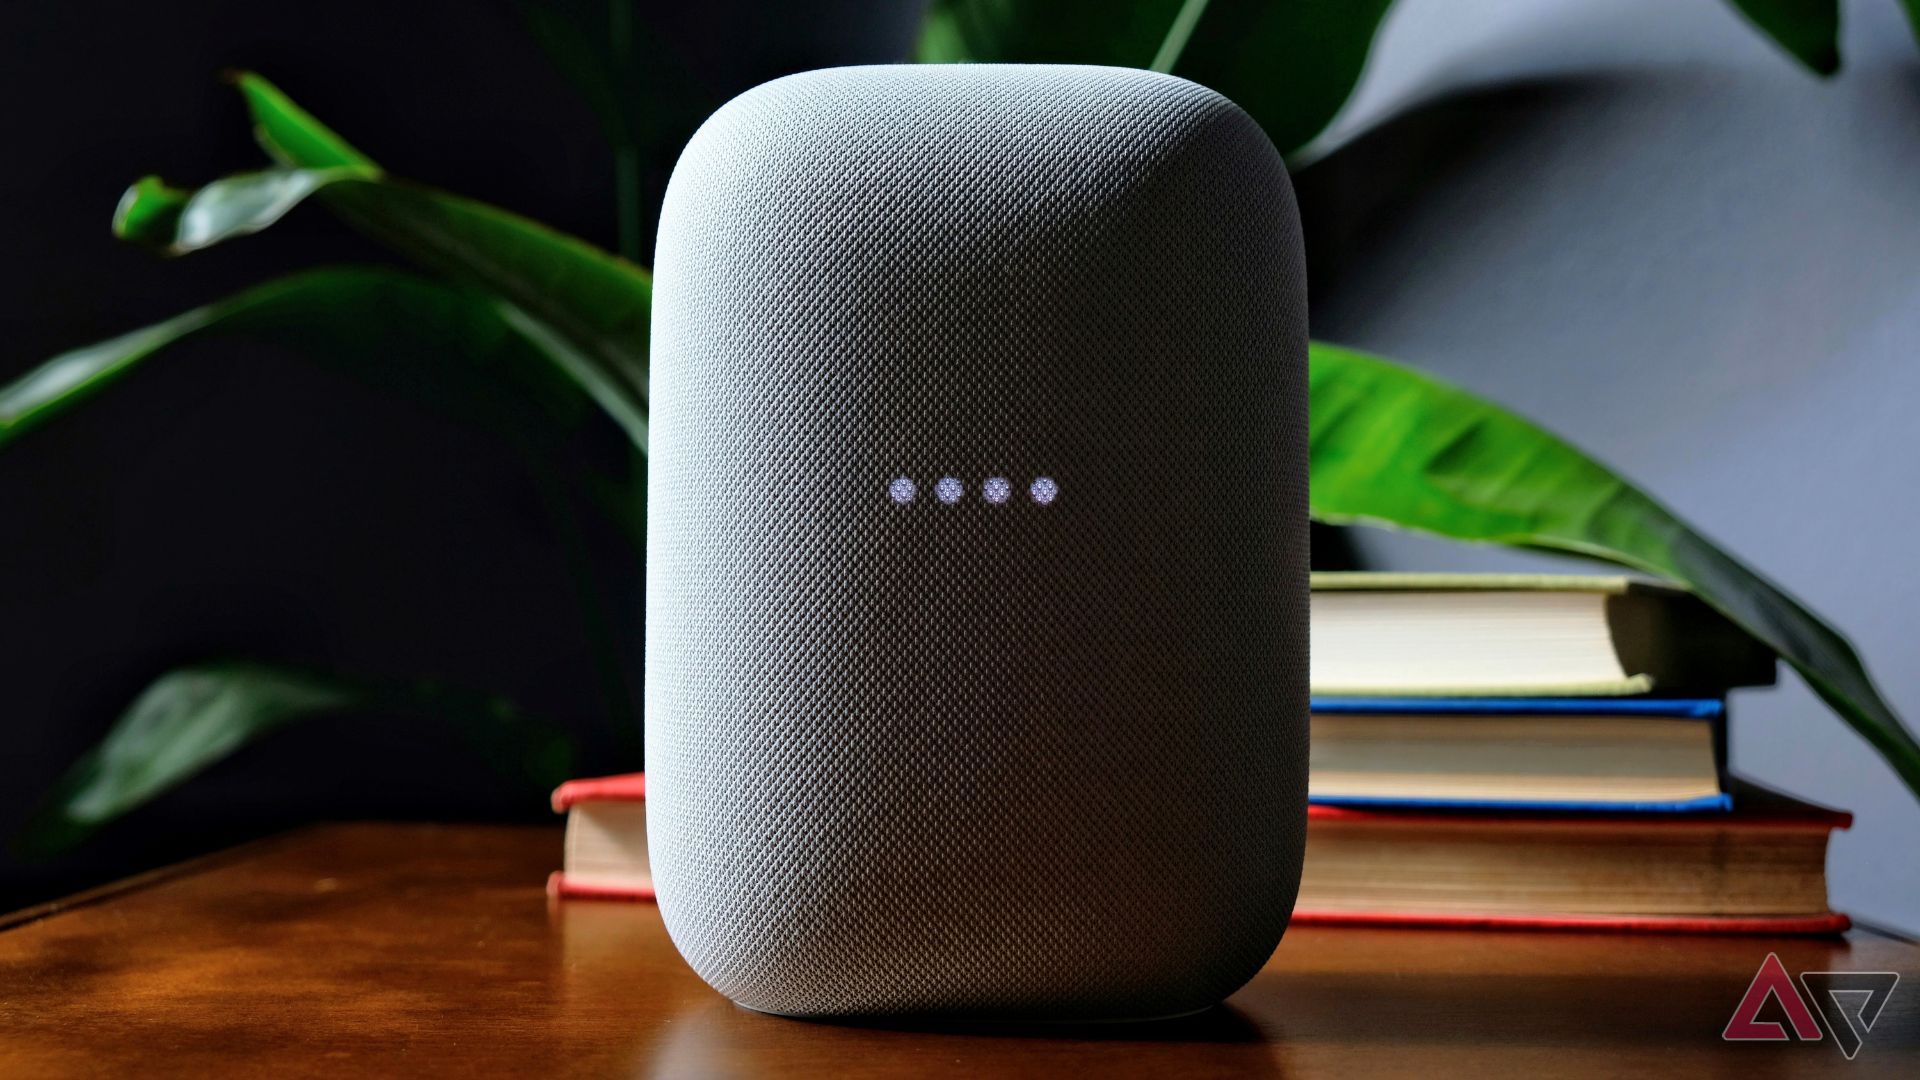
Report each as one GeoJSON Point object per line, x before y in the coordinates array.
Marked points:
{"type": "Point", "coordinates": [978, 758]}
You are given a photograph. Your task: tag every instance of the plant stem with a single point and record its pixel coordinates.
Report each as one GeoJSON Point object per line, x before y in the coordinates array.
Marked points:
{"type": "Point", "coordinates": [1175, 42]}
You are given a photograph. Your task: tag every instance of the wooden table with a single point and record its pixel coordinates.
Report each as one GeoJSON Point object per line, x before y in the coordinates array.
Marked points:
{"type": "Point", "coordinates": [417, 949]}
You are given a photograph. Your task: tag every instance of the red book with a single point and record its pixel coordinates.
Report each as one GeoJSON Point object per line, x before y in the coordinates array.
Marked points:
{"type": "Point", "coordinates": [606, 848]}
{"type": "Point", "coordinates": [1760, 869]}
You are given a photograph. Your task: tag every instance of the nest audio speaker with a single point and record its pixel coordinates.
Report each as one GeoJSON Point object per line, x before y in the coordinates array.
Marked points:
{"type": "Point", "coordinates": [976, 678]}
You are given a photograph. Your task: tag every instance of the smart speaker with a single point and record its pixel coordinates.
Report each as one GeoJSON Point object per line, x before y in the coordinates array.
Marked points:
{"type": "Point", "coordinates": [976, 677]}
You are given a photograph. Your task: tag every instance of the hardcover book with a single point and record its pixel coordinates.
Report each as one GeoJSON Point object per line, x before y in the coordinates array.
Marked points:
{"type": "Point", "coordinates": [606, 845]}
{"type": "Point", "coordinates": [1604, 754]}
{"type": "Point", "coordinates": [1758, 869]}
{"type": "Point", "coordinates": [1533, 635]}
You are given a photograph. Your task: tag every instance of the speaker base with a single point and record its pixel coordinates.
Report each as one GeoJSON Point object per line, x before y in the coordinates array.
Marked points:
{"type": "Point", "coordinates": [982, 1022]}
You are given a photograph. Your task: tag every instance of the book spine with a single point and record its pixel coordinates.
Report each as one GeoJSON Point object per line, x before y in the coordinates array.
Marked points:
{"type": "Point", "coordinates": [1720, 803]}
{"type": "Point", "coordinates": [1831, 923]}
{"type": "Point", "coordinates": [1678, 708]}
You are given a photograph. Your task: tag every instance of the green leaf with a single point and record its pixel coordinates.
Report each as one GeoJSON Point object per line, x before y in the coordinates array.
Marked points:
{"type": "Point", "coordinates": [1913, 16]}
{"type": "Point", "coordinates": [183, 723]}
{"type": "Point", "coordinates": [178, 221]}
{"type": "Point", "coordinates": [1056, 31]}
{"type": "Point", "coordinates": [1394, 447]}
{"type": "Point", "coordinates": [149, 212]}
{"type": "Point", "coordinates": [288, 133]}
{"type": "Point", "coordinates": [1290, 65]}
{"type": "Point", "coordinates": [195, 717]}
{"type": "Point", "coordinates": [1809, 30]}
{"type": "Point", "coordinates": [595, 303]}
{"type": "Point", "coordinates": [457, 350]}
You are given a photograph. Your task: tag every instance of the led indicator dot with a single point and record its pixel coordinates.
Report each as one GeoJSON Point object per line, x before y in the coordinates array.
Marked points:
{"type": "Point", "coordinates": [996, 490]}
{"type": "Point", "coordinates": [901, 491]}
{"type": "Point", "coordinates": [949, 490]}
{"type": "Point", "coordinates": [1044, 491]}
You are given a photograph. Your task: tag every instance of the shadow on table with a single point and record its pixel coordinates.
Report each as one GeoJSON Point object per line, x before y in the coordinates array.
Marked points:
{"type": "Point", "coordinates": [719, 1038]}
{"type": "Point", "coordinates": [1220, 1024]}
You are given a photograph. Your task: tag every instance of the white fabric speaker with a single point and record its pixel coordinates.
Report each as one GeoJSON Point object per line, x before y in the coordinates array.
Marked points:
{"type": "Point", "coordinates": [976, 674]}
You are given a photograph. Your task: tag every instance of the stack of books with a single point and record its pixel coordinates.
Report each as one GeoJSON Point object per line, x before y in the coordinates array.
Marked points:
{"type": "Point", "coordinates": [1543, 750]}
{"type": "Point", "coordinates": [1488, 751]}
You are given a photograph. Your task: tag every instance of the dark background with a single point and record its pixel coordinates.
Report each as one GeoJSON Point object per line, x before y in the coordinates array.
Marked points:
{"type": "Point", "coordinates": [233, 501]}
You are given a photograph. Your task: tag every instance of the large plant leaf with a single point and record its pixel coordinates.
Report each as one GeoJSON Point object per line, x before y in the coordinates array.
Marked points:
{"type": "Point", "coordinates": [597, 301]}
{"type": "Point", "coordinates": [177, 221]}
{"type": "Point", "coordinates": [195, 717]}
{"type": "Point", "coordinates": [457, 350]}
{"type": "Point", "coordinates": [453, 349]}
{"type": "Point", "coordinates": [1809, 30]}
{"type": "Point", "coordinates": [1398, 448]}
{"type": "Point", "coordinates": [594, 304]}
{"type": "Point", "coordinates": [1291, 65]}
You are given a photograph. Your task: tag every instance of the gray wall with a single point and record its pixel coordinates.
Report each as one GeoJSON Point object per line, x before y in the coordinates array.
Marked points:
{"type": "Point", "coordinates": [1635, 222]}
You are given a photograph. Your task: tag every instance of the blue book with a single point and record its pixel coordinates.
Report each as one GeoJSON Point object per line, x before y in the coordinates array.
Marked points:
{"type": "Point", "coordinates": [1611, 755]}
{"type": "Point", "coordinates": [1695, 708]}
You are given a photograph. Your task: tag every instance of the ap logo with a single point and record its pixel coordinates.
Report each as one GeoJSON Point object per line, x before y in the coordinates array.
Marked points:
{"type": "Point", "coordinates": [1849, 1002]}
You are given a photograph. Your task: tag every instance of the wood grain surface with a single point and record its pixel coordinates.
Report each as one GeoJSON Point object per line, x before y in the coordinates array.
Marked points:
{"type": "Point", "coordinates": [432, 950]}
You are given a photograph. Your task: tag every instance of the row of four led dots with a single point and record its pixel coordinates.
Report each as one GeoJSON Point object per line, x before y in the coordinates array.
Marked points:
{"type": "Point", "coordinates": [995, 489]}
